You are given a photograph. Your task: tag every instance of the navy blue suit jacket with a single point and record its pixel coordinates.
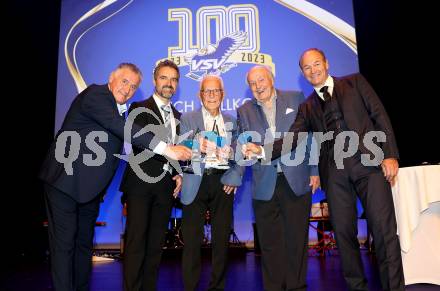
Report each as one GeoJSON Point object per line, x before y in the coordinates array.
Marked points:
{"type": "Point", "coordinates": [94, 109]}
{"type": "Point", "coordinates": [153, 167]}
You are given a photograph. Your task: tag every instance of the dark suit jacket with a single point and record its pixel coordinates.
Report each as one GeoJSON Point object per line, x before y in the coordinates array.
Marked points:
{"type": "Point", "coordinates": [94, 109]}
{"type": "Point", "coordinates": [153, 167]}
{"type": "Point", "coordinates": [362, 111]}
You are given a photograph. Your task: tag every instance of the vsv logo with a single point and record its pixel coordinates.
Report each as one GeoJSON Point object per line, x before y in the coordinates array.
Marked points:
{"type": "Point", "coordinates": [225, 36]}
{"type": "Point", "coordinates": [213, 59]}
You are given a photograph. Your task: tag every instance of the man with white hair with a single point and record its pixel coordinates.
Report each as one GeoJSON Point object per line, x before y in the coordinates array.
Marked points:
{"type": "Point", "coordinates": [211, 185]}
{"type": "Point", "coordinates": [281, 193]}
{"type": "Point", "coordinates": [73, 191]}
{"type": "Point", "coordinates": [349, 107]}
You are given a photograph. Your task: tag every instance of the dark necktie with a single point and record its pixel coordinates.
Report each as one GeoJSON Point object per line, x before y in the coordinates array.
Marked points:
{"type": "Point", "coordinates": [325, 93]}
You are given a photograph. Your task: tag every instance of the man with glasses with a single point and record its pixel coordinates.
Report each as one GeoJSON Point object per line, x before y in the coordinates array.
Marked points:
{"type": "Point", "coordinates": [211, 185]}
{"type": "Point", "coordinates": [74, 187]}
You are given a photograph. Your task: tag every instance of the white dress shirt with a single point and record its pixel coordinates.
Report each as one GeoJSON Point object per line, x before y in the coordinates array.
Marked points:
{"type": "Point", "coordinates": [209, 121]}
{"type": "Point", "coordinates": [159, 104]}
{"type": "Point", "coordinates": [122, 108]}
{"type": "Point", "coordinates": [329, 83]}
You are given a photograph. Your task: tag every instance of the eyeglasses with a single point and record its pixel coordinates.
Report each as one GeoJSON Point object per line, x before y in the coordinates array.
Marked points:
{"type": "Point", "coordinates": [208, 92]}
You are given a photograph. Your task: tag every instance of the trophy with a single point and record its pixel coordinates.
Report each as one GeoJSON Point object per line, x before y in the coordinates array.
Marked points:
{"type": "Point", "coordinates": [193, 145]}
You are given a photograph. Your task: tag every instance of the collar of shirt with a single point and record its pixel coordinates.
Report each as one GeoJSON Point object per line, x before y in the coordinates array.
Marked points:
{"type": "Point", "coordinates": [121, 108]}
{"type": "Point", "coordinates": [329, 83]}
{"type": "Point", "coordinates": [209, 120]}
{"type": "Point", "coordinates": [273, 100]}
{"type": "Point", "coordinates": [159, 103]}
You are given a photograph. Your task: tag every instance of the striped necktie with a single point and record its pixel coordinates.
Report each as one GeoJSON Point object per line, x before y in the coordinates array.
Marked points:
{"type": "Point", "coordinates": [166, 114]}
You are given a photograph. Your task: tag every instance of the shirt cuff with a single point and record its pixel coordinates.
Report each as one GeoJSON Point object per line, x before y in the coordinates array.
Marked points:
{"type": "Point", "coordinates": [160, 148]}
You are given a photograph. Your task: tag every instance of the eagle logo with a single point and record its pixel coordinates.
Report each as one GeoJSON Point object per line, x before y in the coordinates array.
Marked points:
{"type": "Point", "coordinates": [213, 59]}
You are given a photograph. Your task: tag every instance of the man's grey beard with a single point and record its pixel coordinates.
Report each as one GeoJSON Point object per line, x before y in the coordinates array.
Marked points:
{"type": "Point", "coordinates": [163, 95]}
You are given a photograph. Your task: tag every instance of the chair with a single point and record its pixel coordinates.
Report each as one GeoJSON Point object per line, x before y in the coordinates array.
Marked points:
{"type": "Point", "coordinates": [324, 229]}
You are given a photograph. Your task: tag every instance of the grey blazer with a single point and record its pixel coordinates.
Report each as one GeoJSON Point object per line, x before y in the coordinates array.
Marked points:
{"type": "Point", "coordinates": [251, 118]}
{"type": "Point", "coordinates": [193, 121]}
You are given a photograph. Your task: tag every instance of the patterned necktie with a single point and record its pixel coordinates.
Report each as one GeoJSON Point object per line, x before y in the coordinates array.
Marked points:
{"type": "Point", "coordinates": [166, 114]}
{"type": "Point", "coordinates": [325, 93]}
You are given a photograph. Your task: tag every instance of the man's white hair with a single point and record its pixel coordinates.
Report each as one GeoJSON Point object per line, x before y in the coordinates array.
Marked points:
{"type": "Point", "coordinates": [267, 68]}
{"type": "Point", "coordinates": [210, 76]}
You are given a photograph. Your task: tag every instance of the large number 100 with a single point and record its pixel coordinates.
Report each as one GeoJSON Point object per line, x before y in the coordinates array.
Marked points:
{"type": "Point", "coordinates": [226, 20]}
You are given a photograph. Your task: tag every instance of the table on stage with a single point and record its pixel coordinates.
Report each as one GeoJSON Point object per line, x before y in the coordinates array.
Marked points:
{"type": "Point", "coordinates": [416, 195]}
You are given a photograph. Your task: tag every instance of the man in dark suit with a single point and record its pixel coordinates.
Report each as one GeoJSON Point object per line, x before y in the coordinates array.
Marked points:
{"type": "Point", "coordinates": [211, 185]}
{"type": "Point", "coordinates": [349, 107]}
{"type": "Point", "coordinates": [149, 198]}
{"type": "Point", "coordinates": [281, 193]}
{"type": "Point", "coordinates": [78, 169]}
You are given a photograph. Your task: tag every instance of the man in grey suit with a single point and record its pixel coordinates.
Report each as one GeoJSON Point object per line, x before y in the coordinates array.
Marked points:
{"type": "Point", "coordinates": [211, 185]}
{"type": "Point", "coordinates": [282, 188]}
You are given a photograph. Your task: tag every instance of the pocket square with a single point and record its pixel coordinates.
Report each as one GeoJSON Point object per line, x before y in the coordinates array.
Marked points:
{"type": "Point", "coordinates": [289, 110]}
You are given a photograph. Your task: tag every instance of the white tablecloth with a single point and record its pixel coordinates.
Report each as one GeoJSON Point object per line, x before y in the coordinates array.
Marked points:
{"type": "Point", "coordinates": [416, 197]}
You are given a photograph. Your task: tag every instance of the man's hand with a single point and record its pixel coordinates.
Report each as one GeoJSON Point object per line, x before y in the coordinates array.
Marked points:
{"type": "Point", "coordinates": [390, 168]}
{"type": "Point", "coordinates": [178, 152]}
{"type": "Point", "coordinates": [224, 152]}
{"type": "Point", "coordinates": [206, 146]}
{"type": "Point", "coordinates": [250, 149]}
{"type": "Point", "coordinates": [229, 189]}
{"type": "Point", "coordinates": [315, 183]}
{"type": "Point", "coordinates": [178, 180]}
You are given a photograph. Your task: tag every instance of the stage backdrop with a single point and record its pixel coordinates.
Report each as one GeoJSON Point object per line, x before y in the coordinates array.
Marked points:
{"type": "Point", "coordinates": [226, 37]}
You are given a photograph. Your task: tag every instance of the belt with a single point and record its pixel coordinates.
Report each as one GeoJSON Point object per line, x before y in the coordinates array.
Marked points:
{"type": "Point", "coordinates": [213, 171]}
{"type": "Point", "coordinates": [280, 174]}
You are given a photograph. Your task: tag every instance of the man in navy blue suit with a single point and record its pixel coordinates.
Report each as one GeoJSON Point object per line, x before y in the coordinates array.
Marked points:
{"type": "Point", "coordinates": [282, 188]}
{"type": "Point", "coordinates": [79, 166]}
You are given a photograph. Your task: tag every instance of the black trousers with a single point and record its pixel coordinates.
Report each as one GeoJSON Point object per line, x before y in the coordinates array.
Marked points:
{"type": "Point", "coordinates": [283, 229]}
{"type": "Point", "coordinates": [375, 194]}
{"type": "Point", "coordinates": [148, 214]}
{"type": "Point", "coordinates": [220, 204]}
{"type": "Point", "coordinates": [71, 228]}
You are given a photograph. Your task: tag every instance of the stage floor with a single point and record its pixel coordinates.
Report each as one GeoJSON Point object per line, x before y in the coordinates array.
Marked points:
{"type": "Point", "coordinates": [244, 273]}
